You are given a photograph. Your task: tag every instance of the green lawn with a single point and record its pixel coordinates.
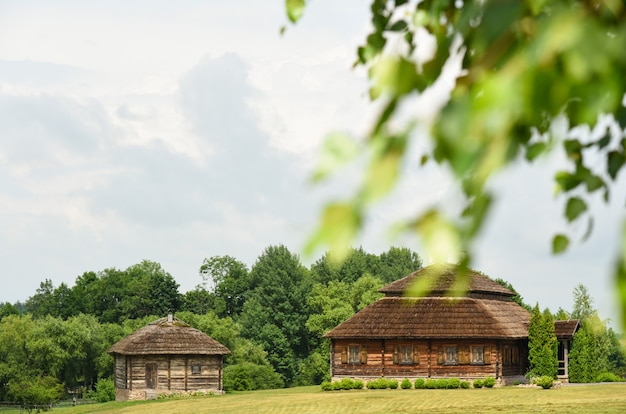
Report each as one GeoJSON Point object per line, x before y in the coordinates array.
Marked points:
{"type": "Point", "coordinates": [605, 398]}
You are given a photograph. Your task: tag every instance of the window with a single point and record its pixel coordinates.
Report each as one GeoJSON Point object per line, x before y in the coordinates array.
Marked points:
{"type": "Point", "coordinates": [406, 354]}
{"type": "Point", "coordinates": [354, 354]}
{"type": "Point", "coordinates": [478, 355]}
{"type": "Point", "coordinates": [451, 358]}
{"type": "Point", "coordinates": [195, 369]}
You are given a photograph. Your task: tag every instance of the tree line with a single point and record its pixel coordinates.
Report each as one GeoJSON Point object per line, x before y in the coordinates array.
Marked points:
{"type": "Point", "coordinates": [272, 317]}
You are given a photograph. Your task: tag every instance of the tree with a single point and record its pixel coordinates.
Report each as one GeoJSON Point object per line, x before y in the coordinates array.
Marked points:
{"type": "Point", "coordinates": [581, 361]}
{"type": "Point", "coordinates": [583, 304]}
{"type": "Point", "coordinates": [542, 345]}
{"type": "Point", "coordinates": [7, 309]}
{"type": "Point", "coordinates": [397, 263]}
{"type": "Point", "coordinates": [517, 298]}
{"type": "Point", "coordinates": [36, 392]}
{"type": "Point", "coordinates": [149, 290]}
{"type": "Point", "coordinates": [228, 279]}
{"type": "Point", "coordinates": [275, 312]}
{"type": "Point", "coordinates": [522, 67]}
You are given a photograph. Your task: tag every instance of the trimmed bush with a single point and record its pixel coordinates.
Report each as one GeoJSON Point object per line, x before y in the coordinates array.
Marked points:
{"type": "Point", "coordinates": [430, 384]}
{"type": "Point", "coordinates": [478, 383]}
{"type": "Point", "coordinates": [453, 383]}
{"type": "Point", "coordinates": [608, 377]}
{"type": "Point", "coordinates": [357, 385]}
{"type": "Point", "coordinates": [406, 384]}
{"type": "Point", "coordinates": [420, 384]}
{"type": "Point", "coordinates": [382, 383]}
{"type": "Point", "coordinates": [489, 382]}
{"type": "Point", "coordinates": [544, 382]}
{"type": "Point", "coordinates": [342, 384]}
{"type": "Point", "coordinates": [465, 385]}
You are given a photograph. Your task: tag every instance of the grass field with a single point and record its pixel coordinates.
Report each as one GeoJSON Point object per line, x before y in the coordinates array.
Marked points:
{"type": "Point", "coordinates": [604, 398]}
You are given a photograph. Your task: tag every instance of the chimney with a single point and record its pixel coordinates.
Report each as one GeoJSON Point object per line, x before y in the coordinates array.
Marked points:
{"type": "Point", "coordinates": [170, 318]}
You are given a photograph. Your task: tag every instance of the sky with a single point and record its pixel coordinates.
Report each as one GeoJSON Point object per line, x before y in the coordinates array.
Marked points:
{"type": "Point", "coordinates": [177, 131]}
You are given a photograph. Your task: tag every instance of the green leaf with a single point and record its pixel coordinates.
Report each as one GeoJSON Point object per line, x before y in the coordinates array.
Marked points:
{"type": "Point", "coordinates": [573, 149]}
{"type": "Point", "coordinates": [566, 181]}
{"type": "Point", "coordinates": [339, 225]}
{"type": "Point", "coordinates": [295, 9]}
{"type": "Point", "coordinates": [574, 208]}
{"type": "Point", "coordinates": [615, 161]}
{"type": "Point", "coordinates": [394, 76]}
{"type": "Point", "coordinates": [338, 150]}
{"type": "Point", "coordinates": [535, 150]}
{"type": "Point", "coordinates": [604, 141]}
{"type": "Point", "coordinates": [559, 244]}
{"type": "Point", "coordinates": [382, 172]}
{"type": "Point", "coordinates": [398, 26]}
{"type": "Point", "coordinates": [593, 183]}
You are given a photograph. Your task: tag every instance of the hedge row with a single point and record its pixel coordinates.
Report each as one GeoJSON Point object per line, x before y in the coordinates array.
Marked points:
{"type": "Point", "coordinates": [420, 383]}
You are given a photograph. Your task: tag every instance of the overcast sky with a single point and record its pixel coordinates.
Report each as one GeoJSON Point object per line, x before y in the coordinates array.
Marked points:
{"type": "Point", "coordinates": [178, 130]}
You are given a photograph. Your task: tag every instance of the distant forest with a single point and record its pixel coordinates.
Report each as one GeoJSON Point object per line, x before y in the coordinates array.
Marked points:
{"type": "Point", "coordinates": [272, 317]}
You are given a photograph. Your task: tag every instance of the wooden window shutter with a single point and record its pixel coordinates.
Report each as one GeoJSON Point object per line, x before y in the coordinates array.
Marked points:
{"type": "Point", "coordinates": [396, 356]}
{"type": "Point", "coordinates": [363, 358]}
{"type": "Point", "coordinates": [416, 356]}
{"type": "Point", "coordinates": [486, 356]}
{"type": "Point", "coordinates": [344, 355]}
{"type": "Point", "coordinates": [441, 357]}
{"type": "Point", "coordinates": [464, 355]}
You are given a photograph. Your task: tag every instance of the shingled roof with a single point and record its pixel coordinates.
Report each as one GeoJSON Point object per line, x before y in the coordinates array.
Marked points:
{"type": "Point", "coordinates": [486, 311]}
{"type": "Point", "coordinates": [442, 278]}
{"type": "Point", "coordinates": [168, 336]}
{"type": "Point", "coordinates": [566, 329]}
{"type": "Point", "coordinates": [436, 317]}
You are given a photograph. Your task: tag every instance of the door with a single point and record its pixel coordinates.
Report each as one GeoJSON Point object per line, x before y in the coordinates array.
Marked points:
{"type": "Point", "coordinates": [151, 376]}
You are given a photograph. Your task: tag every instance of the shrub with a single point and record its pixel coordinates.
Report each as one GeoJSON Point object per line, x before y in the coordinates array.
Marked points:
{"type": "Point", "coordinates": [454, 383]}
{"type": "Point", "coordinates": [382, 383]}
{"type": "Point", "coordinates": [608, 377]}
{"type": "Point", "coordinates": [441, 383]}
{"type": "Point", "coordinates": [489, 382]}
{"type": "Point", "coordinates": [105, 390]}
{"type": "Point", "coordinates": [465, 384]}
{"type": "Point", "coordinates": [406, 384]}
{"type": "Point", "coordinates": [377, 384]}
{"type": "Point", "coordinates": [248, 376]}
{"type": "Point", "coordinates": [327, 386]}
{"type": "Point", "coordinates": [420, 384]}
{"type": "Point", "coordinates": [478, 383]}
{"type": "Point", "coordinates": [544, 382]}
{"type": "Point", "coordinates": [430, 384]}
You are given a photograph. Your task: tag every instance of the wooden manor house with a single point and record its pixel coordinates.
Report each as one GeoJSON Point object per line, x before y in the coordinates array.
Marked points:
{"type": "Point", "coordinates": [481, 334]}
{"type": "Point", "coordinates": [167, 356]}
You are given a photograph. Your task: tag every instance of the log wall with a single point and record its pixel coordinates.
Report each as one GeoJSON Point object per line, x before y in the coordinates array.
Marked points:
{"type": "Point", "coordinates": [175, 373]}
{"type": "Point", "coordinates": [384, 358]}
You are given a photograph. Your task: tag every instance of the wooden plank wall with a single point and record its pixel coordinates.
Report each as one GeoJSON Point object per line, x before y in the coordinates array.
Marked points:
{"type": "Point", "coordinates": [380, 360]}
{"type": "Point", "coordinates": [175, 372]}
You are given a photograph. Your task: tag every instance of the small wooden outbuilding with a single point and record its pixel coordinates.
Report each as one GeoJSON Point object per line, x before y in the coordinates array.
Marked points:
{"type": "Point", "coordinates": [564, 331]}
{"type": "Point", "coordinates": [481, 334]}
{"type": "Point", "coordinates": [167, 356]}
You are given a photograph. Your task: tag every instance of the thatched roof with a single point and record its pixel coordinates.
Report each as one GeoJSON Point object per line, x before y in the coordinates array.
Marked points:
{"type": "Point", "coordinates": [163, 337]}
{"type": "Point", "coordinates": [566, 329]}
{"type": "Point", "coordinates": [440, 279]}
{"type": "Point", "coordinates": [436, 317]}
